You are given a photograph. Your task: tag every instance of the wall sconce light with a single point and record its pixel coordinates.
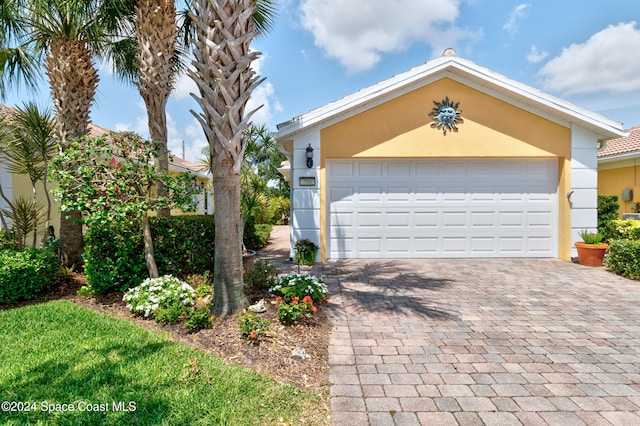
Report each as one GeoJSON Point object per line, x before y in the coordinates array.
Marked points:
{"type": "Point", "coordinates": [309, 156]}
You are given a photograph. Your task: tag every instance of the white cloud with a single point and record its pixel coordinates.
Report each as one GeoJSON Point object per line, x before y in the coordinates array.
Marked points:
{"type": "Point", "coordinates": [536, 55]}
{"type": "Point", "coordinates": [517, 15]}
{"type": "Point", "coordinates": [358, 32]}
{"type": "Point", "coordinates": [604, 63]}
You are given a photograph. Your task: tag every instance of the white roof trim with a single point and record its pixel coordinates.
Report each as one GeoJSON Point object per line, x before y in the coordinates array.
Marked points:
{"type": "Point", "coordinates": [466, 71]}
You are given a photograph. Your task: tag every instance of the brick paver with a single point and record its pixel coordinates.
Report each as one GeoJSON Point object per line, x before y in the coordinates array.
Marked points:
{"type": "Point", "coordinates": [504, 341]}
{"type": "Point", "coordinates": [478, 341]}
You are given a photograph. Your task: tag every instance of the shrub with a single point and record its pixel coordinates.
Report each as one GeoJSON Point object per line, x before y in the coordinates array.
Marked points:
{"type": "Point", "coordinates": [628, 229]}
{"type": "Point", "coordinates": [8, 240]}
{"type": "Point", "coordinates": [154, 293]}
{"type": "Point", "coordinates": [260, 277]}
{"type": "Point", "coordinates": [623, 258]}
{"type": "Point", "coordinates": [24, 275]}
{"type": "Point", "coordinates": [114, 254]}
{"type": "Point", "coordinates": [607, 211]}
{"type": "Point", "coordinates": [198, 319]}
{"type": "Point", "coordinates": [281, 210]}
{"type": "Point", "coordinates": [255, 236]}
{"type": "Point", "coordinates": [183, 245]}
{"type": "Point", "coordinates": [114, 257]}
{"type": "Point", "coordinates": [299, 285]}
{"type": "Point", "coordinates": [251, 326]}
{"type": "Point", "coordinates": [290, 312]}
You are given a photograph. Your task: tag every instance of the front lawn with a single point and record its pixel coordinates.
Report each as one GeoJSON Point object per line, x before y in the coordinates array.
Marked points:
{"type": "Point", "coordinates": [109, 371]}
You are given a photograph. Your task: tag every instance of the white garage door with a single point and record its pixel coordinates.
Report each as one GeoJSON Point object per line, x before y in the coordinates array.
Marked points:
{"type": "Point", "coordinates": [442, 208]}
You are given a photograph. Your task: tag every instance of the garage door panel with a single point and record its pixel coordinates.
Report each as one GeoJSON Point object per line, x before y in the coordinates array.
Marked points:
{"type": "Point", "coordinates": [369, 169]}
{"type": "Point", "coordinates": [344, 193]}
{"type": "Point", "coordinates": [443, 208]}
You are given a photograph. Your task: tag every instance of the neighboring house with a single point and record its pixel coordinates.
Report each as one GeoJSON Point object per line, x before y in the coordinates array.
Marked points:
{"type": "Point", "coordinates": [19, 185]}
{"type": "Point", "coordinates": [619, 171]}
{"type": "Point", "coordinates": [515, 174]}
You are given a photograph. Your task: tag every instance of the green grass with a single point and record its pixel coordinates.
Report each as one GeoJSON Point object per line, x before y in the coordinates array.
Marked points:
{"type": "Point", "coordinates": [62, 353]}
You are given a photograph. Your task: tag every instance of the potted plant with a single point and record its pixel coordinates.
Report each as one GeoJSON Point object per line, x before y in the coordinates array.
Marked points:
{"type": "Point", "coordinates": [591, 250]}
{"type": "Point", "coordinates": [306, 251]}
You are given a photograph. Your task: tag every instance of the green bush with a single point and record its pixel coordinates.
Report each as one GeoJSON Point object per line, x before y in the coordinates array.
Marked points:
{"type": "Point", "coordinates": [281, 210]}
{"type": "Point", "coordinates": [25, 275]}
{"type": "Point", "coordinates": [198, 319]}
{"type": "Point", "coordinates": [260, 277]}
{"type": "Point", "coordinates": [114, 257]}
{"type": "Point", "coordinates": [607, 211]}
{"type": "Point", "coordinates": [114, 254]}
{"type": "Point", "coordinates": [8, 240]}
{"type": "Point", "coordinates": [623, 258]}
{"type": "Point", "coordinates": [256, 235]}
{"type": "Point", "coordinates": [628, 229]}
{"type": "Point", "coordinates": [183, 244]}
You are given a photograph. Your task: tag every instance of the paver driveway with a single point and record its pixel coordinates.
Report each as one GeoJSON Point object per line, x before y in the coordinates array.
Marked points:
{"type": "Point", "coordinates": [496, 342]}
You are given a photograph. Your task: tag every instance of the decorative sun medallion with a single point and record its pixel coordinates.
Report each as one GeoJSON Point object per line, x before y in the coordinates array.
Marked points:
{"type": "Point", "coordinates": [446, 116]}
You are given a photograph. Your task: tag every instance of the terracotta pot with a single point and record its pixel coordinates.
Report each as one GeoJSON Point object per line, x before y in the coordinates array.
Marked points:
{"type": "Point", "coordinates": [591, 254]}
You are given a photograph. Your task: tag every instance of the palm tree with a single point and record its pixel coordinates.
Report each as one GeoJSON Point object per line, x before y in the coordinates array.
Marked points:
{"type": "Point", "coordinates": [67, 34]}
{"type": "Point", "coordinates": [222, 72]}
{"type": "Point", "coordinates": [153, 57]}
{"type": "Point", "coordinates": [26, 147]}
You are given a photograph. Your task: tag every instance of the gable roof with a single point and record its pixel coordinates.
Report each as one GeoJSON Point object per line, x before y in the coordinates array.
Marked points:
{"type": "Point", "coordinates": [465, 72]}
{"type": "Point", "coordinates": [623, 146]}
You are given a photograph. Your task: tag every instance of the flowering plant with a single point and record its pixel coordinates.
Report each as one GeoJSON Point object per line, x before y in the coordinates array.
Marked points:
{"type": "Point", "coordinates": [165, 292]}
{"type": "Point", "coordinates": [288, 313]}
{"type": "Point", "coordinates": [299, 285]}
{"type": "Point", "coordinates": [306, 251]}
{"type": "Point", "coordinates": [252, 327]}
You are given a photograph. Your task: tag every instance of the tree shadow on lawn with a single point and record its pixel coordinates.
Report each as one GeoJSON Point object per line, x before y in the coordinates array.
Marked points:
{"type": "Point", "coordinates": [386, 286]}
{"type": "Point", "coordinates": [88, 377]}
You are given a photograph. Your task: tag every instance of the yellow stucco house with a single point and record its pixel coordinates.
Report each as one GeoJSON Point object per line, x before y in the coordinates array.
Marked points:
{"type": "Point", "coordinates": [448, 159]}
{"type": "Point", "coordinates": [619, 171]}
{"type": "Point", "coordinates": [19, 185]}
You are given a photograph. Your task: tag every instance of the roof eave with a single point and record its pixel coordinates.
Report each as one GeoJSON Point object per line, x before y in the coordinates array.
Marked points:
{"type": "Point", "coordinates": [604, 127]}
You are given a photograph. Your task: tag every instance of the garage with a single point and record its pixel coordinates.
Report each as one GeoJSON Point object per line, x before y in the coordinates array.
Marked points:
{"type": "Point", "coordinates": [430, 208]}
{"type": "Point", "coordinates": [446, 160]}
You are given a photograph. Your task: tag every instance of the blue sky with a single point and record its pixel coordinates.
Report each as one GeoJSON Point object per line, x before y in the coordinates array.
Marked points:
{"type": "Point", "coordinates": [583, 51]}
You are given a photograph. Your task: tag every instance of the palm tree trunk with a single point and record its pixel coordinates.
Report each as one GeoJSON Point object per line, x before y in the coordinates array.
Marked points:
{"type": "Point", "coordinates": [73, 79]}
{"type": "Point", "coordinates": [229, 294]}
{"type": "Point", "coordinates": [156, 31]}
{"type": "Point", "coordinates": [225, 80]}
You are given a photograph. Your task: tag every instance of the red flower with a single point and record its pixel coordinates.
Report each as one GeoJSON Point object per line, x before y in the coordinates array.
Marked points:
{"type": "Point", "coordinates": [314, 309]}
{"type": "Point", "coordinates": [253, 335]}
{"type": "Point", "coordinates": [307, 299]}
{"type": "Point", "coordinates": [278, 298]}
{"type": "Point", "coordinates": [295, 300]}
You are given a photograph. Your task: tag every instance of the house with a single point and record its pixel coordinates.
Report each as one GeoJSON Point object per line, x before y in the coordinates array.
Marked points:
{"type": "Point", "coordinates": [448, 159]}
{"type": "Point", "coordinates": [619, 171]}
{"type": "Point", "coordinates": [19, 185]}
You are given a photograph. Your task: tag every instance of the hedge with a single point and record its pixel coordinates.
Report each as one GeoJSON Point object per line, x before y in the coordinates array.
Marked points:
{"type": "Point", "coordinates": [25, 274]}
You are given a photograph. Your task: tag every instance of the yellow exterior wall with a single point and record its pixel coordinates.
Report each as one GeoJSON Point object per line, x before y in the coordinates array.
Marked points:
{"type": "Point", "coordinates": [614, 177]}
{"type": "Point", "coordinates": [401, 128]}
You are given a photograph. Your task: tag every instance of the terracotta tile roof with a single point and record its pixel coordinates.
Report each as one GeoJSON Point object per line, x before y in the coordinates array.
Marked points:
{"type": "Point", "coordinates": [191, 165]}
{"type": "Point", "coordinates": [625, 145]}
{"type": "Point", "coordinates": [95, 131]}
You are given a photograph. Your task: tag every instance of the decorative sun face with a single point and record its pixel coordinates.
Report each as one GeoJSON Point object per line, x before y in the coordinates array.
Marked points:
{"type": "Point", "coordinates": [446, 116]}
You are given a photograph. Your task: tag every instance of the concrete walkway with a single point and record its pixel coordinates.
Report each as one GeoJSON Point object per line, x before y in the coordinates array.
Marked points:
{"type": "Point", "coordinates": [473, 342]}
